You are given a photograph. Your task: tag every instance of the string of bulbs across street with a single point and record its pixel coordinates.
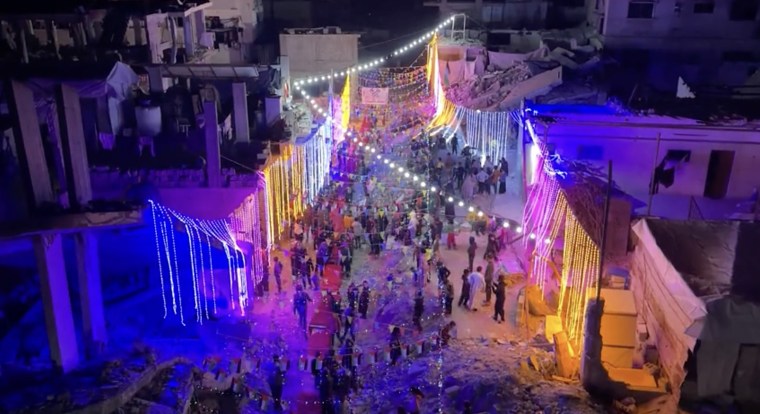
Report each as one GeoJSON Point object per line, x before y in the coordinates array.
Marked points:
{"type": "Point", "coordinates": [450, 198]}
{"type": "Point", "coordinates": [422, 40]}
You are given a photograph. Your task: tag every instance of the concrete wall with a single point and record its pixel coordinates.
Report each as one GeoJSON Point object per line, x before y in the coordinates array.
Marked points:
{"type": "Point", "coordinates": [515, 14]}
{"type": "Point", "coordinates": [669, 28]}
{"type": "Point", "coordinates": [631, 144]}
{"type": "Point", "coordinates": [314, 54]}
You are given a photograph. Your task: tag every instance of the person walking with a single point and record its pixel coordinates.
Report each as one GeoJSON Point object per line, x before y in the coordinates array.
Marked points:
{"type": "Point", "coordinates": [278, 274]}
{"type": "Point", "coordinates": [488, 277]}
{"type": "Point", "coordinates": [300, 304]}
{"type": "Point", "coordinates": [500, 291]}
{"type": "Point", "coordinates": [471, 250]}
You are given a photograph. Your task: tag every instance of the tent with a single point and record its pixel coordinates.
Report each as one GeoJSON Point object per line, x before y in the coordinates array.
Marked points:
{"type": "Point", "coordinates": [691, 283]}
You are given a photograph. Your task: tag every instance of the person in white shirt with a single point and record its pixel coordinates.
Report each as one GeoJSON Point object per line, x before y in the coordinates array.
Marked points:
{"type": "Point", "coordinates": [482, 177]}
{"type": "Point", "coordinates": [477, 282]}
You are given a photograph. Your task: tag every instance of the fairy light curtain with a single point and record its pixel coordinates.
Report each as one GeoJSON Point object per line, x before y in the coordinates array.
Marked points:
{"type": "Point", "coordinates": [580, 269]}
{"type": "Point", "coordinates": [293, 179]}
{"type": "Point", "coordinates": [549, 215]}
{"type": "Point", "coordinates": [316, 153]}
{"type": "Point", "coordinates": [246, 225]}
{"type": "Point", "coordinates": [185, 249]}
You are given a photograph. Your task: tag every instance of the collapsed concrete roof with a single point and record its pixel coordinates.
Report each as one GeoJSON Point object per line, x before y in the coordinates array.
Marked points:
{"type": "Point", "coordinates": [715, 258]}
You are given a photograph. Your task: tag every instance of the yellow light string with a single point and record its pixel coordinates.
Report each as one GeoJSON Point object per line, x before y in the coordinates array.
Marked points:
{"type": "Point", "coordinates": [579, 272]}
{"type": "Point", "coordinates": [345, 105]}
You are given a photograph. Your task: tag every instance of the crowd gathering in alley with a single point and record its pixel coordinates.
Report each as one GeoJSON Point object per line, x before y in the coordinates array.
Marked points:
{"type": "Point", "coordinates": [361, 212]}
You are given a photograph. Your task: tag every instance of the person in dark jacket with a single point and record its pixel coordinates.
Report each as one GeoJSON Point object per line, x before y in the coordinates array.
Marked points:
{"type": "Point", "coordinates": [395, 345]}
{"type": "Point", "coordinates": [471, 249]}
{"type": "Point", "coordinates": [353, 296]}
{"type": "Point", "coordinates": [464, 296]}
{"type": "Point", "coordinates": [419, 308]}
{"type": "Point", "coordinates": [326, 391]}
{"type": "Point", "coordinates": [300, 304]}
{"type": "Point", "coordinates": [364, 300]}
{"type": "Point", "coordinates": [448, 292]}
{"type": "Point", "coordinates": [500, 291]}
{"type": "Point", "coordinates": [276, 381]}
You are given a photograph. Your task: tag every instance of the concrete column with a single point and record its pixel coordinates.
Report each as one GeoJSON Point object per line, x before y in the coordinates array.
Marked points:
{"type": "Point", "coordinates": [593, 375]}
{"type": "Point", "coordinates": [155, 79]}
{"type": "Point", "coordinates": [213, 153]}
{"type": "Point", "coordinates": [90, 292]}
{"type": "Point", "coordinates": [172, 22]}
{"type": "Point", "coordinates": [272, 109]}
{"type": "Point", "coordinates": [189, 35]}
{"type": "Point", "coordinates": [54, 289]}
{"type": "Point", "coordinates": [52, 30]}
{"type": "Point", "coordinates": [137, 28]}
{"type": "Point", "coordinates": [21, 31]}
{"type": "Point", "coordinates": [74, 146]}
{"type": "Point", "coordinates": [153, 31]}
{"type": "Point", "coordinates": [31, 152]}
{"type": "Point", "coordinates": [240, 112]}
{"type": "Point", "coordinates": [200, 25]}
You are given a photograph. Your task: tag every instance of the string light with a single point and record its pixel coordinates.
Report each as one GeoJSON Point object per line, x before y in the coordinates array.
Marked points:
{"type": "Point", "coordinates": [375, 63]}
{"type": "Point", "coordinates": [165, 223]}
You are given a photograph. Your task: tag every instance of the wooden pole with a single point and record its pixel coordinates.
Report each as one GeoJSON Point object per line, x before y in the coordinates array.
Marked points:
{"type": "Point", "coordinates": [603, 242]}
{"type": "Point", "coordinates": [653, 184]}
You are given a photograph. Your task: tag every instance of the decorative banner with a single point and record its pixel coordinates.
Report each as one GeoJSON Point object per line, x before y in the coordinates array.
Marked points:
{"type": "Point", "coordinates": [375, 96]}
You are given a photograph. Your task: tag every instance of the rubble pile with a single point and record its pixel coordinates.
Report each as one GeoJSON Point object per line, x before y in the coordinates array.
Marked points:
{"type": "Point", "coordinates": [514, 376]}
{"type": "Point", "coordinates": [169, 392]}
{"type": "Point", "coordinates": [488, 91]}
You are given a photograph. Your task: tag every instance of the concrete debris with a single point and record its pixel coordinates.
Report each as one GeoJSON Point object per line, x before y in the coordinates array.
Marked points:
{"type": "Point", "coordinates": [465, 372]}
{"type": "Point", "coordinates": [489, 90]}
{"type": "Point", "coordinates": [625, 406]}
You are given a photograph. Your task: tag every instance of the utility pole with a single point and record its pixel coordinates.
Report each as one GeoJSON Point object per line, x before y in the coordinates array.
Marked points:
{"type": "Point", "coordinates": [603, 241]}
{"type": "Point", "coordinates": [653, 183]}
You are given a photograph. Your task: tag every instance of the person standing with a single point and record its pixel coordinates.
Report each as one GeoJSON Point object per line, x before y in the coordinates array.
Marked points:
{"type": "Point", "coordinates": [471, 250]}
{"type": "Point", "coordinates": [276, 381]}
{"type": "Point", "coordinates": [477, 282]}
{"type": "Point", "coordinates": [419, 308]}
{"type": "Point", "coordinates": [451, 241]}
{"type": "Point", "coordinates": [464, 296]}
{"type": "Point", "coordinates": [364, 300]}
{"type": "Point", "coordinates": [395, 345]}
{"type": "Point", "coordinates": [489, 279]}
{"type": "Point", "coordinates": [278, 274]}
{"type": "Point", "coordinates": [500, 291]}
{"type": "Point", "coordinates": [448, 298]}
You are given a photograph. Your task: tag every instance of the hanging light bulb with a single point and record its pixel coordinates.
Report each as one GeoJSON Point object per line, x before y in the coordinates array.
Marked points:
{"type": "Point", "coordinates": [505, 225]}
{"type": "Point", "coordinates": [470, 209]}
{"type": "Point", "coordinates": [519, 229]}
{"type": "Point", "coordinates": [451, 199]}
{"type": "Point", "coordinates": [461, 204]}
{"type": "Point", "coordinates": [480, 214]}
{"type": "Point", "coordinates": [406, 175]}
{"type": "Point", "coordinates": [386, 161]}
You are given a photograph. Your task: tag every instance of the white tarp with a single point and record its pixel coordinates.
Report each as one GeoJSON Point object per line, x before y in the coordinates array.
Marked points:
{"type": "Point", "coordinates": [665, 301]}
{"type": "Point", "coordinates": [375, 96]}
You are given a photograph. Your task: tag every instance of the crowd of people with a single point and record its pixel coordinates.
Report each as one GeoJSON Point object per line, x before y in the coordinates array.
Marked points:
{"type": "Point", "coordinates": [359, 211]}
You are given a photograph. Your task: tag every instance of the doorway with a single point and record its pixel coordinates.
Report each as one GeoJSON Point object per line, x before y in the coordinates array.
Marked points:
{"type": "Point", "coordinates": [718, 174]}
